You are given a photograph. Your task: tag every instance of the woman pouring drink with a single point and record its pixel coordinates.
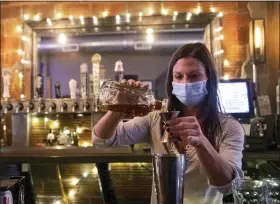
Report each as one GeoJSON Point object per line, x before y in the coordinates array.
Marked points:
{"type": "Point", "coordinates": [212, 141]}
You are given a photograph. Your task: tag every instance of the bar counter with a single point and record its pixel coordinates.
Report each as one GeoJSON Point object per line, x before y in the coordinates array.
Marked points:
{"type": "Point", "coordinates": [91, 155]}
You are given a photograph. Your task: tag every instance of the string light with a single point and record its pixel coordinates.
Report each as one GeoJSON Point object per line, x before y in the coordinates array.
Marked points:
{"type": "Point", "coordinates": [4, 127]}
{"type": "Point", "coordinates": [24, 38]}
{"type": "Point", "coordinates": [220, 14]}
{"type": "Point", "coordinates": [74, 181]}
{"type": "Point", "coordinates": [72, 193]}
{"type": "Point", "coordinates": [226, 77]}
{"type": "Point", "coordinates": [85, 174]}
{"type": "Point", "coordinates": [37, 17]}
{"type": "Point", "coordinates": [22, 96]}
{"type": "Point", "coordinates": [86, 144]}
{"type": "Point", "coordinates": [94, 170]}
{"type": "Point", "coordinates": [151, 11]}
{"type": "Point", "coordinates": [55, 124]}
{"type": "Point", "coordinates": [220, 28]}
{"type": "Point", "coordinates": [197, 10]}
{"type": "Point", "coordinates": [226, 63]}
{"type": "Point", "coordinates": [59, 15]}
{"type": "Point", "coordinates": [164, 12]}
{"type": "Point", "coordinates": [26, 16]}
{"type": "Point", "coordinates": [19, 29]}
{"type": "Point", "coordinates": [35, 120]}
{"type": "Point", "coordinates": [140, 14]}
{"type": "Point", "coordinates": [20, 75]}
{"type": "Point", "coordinates": [19, 51]}
{"type": "Point", "coordinates": [23, 61]}
{"type": "Point", "coordinates": [79, 130]}
{"type": "Point", "coordinates": [212, 9]}
{"type": "Point", "coordinates": [105, 14]}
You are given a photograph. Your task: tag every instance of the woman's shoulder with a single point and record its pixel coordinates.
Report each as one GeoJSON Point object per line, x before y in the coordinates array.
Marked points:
{"type": "Point", "coordinates": [230, 124]}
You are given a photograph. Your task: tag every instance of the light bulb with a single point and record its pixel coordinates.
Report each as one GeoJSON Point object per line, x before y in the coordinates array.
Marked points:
{"type": "Point", "coordinates": [59, 15]}
{"type": "Point", "coordinates": [197, 10]}
{"type": "Point", "coordinates": [46, 119]}
{"type": "Point", "coordinates": [86, 144]}
{"type": "Point", "coordinates": [226, 63]}
{"type": "Point", "coordinates": [150, 38]}
{"type": "Point", "coordinates": [24, 38]}
{"type": "Point", "coordinates": [19, 29]}
{"type": "Point", "coordinates": [72, 193]}
{"type": "Point", "coordinates": [149, 31]}
{"type": "Point", "coordinates": [19, 51]}
{"type": "Point", "coordinates": [140, 14]}
{"type": "Point", "coordinates": [175, 13]}
{"type": "Point", "coordinates": [74, 181]}
{"type": "Point", "coordinates": [79, 130]}
{"type": "Point", "coordinates": [26, 16]}
{"type": "Point", "coordinates": [37, 17]}
{"type": "Point", "coordinates": [85, 174]}
{"type": "Point", "coordinates": [221, 37]}
{"type": "Point", "coordinates": [62, 39]}
{"type": "Point", "coordinates": [220, 14]}
{"type": "Point", "coordinates": [35, 120]}
{"type": "Point", "coordinates": [22, 96]}
{"type": "Point", "coordinates": [164, 11]}
{"type": "Point", "coordinates": [213, 10]}
{"type": "Point", "coordinates": [151, 11]}
{"type": "Point", "coordinates": [105, 14]}
{"type": "Point", "coordinates": [226, 77]}
{"type": "Point", "coordinates": [20, 75]}
{"type": "Point", "coordinates": [55, 124]}
{"type": "Point", "coordinates": [70, 17]}
{"type": "Point", "coordinates": [94, 170]}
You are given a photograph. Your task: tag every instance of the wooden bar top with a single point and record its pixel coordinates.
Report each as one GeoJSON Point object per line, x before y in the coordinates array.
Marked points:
{"type": "Point", "coordinates": [61, 154]}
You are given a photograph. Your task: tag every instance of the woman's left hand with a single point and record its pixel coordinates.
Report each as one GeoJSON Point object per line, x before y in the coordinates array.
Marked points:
{"type": "Point", "coordinates": [187, 129]}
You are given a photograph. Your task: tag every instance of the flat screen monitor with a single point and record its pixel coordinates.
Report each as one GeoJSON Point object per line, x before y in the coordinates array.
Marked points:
{"type": "Point", "coordinates": [236, 97]}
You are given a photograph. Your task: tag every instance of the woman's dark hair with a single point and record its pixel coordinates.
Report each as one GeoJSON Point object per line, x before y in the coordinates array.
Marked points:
{"type": "Point", "coordinates": [210, 123]}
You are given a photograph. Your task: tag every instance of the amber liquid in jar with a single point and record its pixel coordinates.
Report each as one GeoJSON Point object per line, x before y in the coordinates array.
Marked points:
{"type": "Point", "coordinates": [131, 109]}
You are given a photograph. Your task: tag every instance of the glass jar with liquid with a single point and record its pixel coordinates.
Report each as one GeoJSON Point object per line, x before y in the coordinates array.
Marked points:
{"type": "Point", "coordinates": [126, 99]}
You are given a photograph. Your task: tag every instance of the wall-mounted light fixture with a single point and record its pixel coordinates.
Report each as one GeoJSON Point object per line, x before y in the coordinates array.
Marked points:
{"type": "Point", "coordinates": [257, 40]}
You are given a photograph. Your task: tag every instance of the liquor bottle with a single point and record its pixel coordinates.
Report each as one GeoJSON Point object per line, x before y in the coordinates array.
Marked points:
{"type": "Point", "coordinates": [127, 100]}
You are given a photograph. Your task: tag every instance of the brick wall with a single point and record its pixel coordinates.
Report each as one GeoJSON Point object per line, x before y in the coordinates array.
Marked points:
{"type": "Point", "coordinates": [235, 23]}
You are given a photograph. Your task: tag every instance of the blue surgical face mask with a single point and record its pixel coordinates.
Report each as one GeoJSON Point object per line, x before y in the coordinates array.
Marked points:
{"type": "Point", "coordinates": [190, 94]}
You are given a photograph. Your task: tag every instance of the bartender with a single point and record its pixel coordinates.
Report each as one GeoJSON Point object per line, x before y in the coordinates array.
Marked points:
{"type": "Point", "coordinates": [211, 141]}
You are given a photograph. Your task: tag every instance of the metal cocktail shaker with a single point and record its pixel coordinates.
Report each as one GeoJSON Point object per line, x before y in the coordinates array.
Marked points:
{"type": "Point", "coordinates": [169, 174]}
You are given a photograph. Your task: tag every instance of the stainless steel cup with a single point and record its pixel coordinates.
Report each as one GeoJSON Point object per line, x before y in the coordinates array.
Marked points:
{"type": "Point", "coordinates": [169, 173]}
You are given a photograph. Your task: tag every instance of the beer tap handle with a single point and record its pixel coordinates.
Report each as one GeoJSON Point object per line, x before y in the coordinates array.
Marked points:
{"type": "Point", "coordinates": [63, 107]}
